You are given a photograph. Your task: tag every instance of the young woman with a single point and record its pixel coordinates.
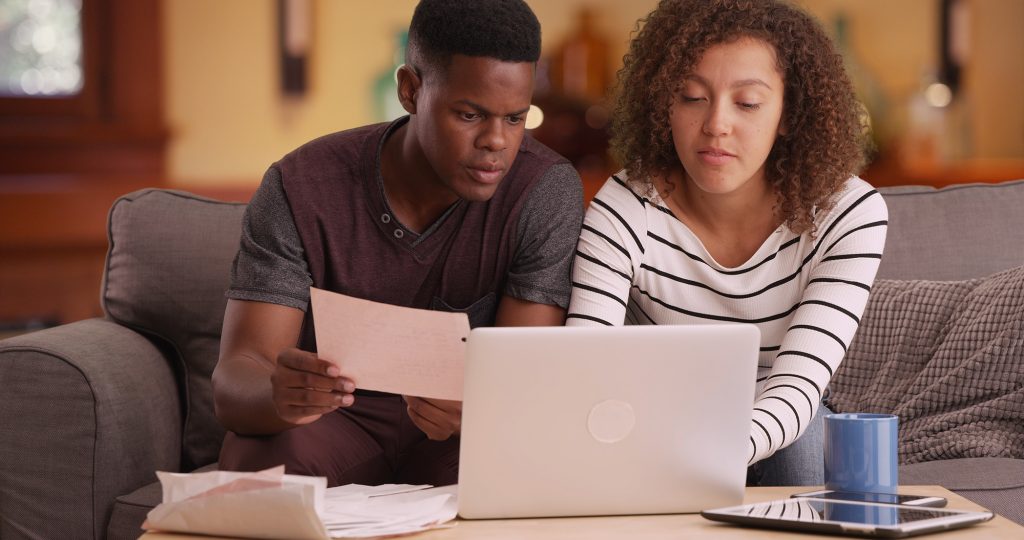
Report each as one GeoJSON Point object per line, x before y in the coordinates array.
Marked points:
{"type": "Point", "coordinates": [741, 138]}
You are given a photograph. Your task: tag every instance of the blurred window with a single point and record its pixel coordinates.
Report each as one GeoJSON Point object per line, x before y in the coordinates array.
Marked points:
{"type": "Point", "coordinates": [81, 88]}
{"type": "Point", "coordinates": [41, 48]}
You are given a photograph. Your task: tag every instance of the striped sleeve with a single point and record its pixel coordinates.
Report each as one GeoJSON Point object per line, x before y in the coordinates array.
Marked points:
{"type": "Point", "coordinates": [609, 252]}
{"type": "Point", "coordinates": [849, 250]}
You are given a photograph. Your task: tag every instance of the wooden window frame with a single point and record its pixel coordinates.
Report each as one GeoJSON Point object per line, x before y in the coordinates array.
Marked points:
{"type": "Point", "coordinates": [115, 125]}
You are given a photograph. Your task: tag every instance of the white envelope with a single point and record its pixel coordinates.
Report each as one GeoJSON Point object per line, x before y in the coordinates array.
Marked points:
{"type": "Point", "coordinates": [267, 504]}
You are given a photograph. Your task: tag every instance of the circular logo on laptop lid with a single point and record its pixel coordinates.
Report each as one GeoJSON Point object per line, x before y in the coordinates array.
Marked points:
{"type": "Point", "coordinates": [611, 421]}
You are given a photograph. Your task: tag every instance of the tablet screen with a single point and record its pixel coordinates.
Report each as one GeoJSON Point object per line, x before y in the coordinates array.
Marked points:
{"type": "Point", "coordinates": [816, 510]}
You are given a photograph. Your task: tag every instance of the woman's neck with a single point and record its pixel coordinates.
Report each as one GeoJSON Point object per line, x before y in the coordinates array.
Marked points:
{"type": "Point", "coordinates": [732, 226]}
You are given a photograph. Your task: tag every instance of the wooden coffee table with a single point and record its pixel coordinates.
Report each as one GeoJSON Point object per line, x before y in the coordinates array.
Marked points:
{"type": "Point", "coordinates": [682, 526]}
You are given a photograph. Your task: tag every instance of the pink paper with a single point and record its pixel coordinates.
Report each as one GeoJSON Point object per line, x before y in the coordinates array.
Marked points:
{"type": "Point", "coordinates": [415, 352]}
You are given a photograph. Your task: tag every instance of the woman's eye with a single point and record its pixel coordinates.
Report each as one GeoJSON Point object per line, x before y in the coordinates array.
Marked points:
{"type": "Point", "coordinates": [750, 106]}
{"type": "Point", "coordinates": [691, 99]}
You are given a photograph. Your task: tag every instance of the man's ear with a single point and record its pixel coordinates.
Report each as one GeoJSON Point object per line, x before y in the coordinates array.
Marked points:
{"type": "Point", "coordinates": [409, 84]}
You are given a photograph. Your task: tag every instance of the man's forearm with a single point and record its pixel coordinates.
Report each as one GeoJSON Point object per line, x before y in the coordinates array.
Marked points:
{"type": "Point", "coordinates": [243, 397]}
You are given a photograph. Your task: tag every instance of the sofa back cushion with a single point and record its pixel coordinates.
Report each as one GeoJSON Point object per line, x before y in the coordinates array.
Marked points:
{"type": "Point", "coordinates": [958, 232]}
{"type": "Point", "coordinates": [948, 358]}
{"type": "Point", "coordinates": [167, 268]}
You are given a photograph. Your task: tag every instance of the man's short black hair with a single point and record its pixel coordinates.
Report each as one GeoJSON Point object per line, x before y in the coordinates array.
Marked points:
{"type": "Point", "coordinates": [505, 30]}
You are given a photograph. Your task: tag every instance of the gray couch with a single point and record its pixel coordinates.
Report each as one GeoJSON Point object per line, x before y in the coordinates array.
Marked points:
{"type": "Point", "coordinates": [89, 410]}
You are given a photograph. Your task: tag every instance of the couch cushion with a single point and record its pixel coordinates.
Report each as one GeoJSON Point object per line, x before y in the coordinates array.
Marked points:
{"type": "Point", "coordinates": [957, 232]}
{"type": "Point", "coordinates": [130, 510]}
{"type": "Point", "coordinates": [167, 269]}
{"type": "Point", "coordinates": [88, 410]}
{"type": "Point", "coordinates": [947, 358]}
{"type": "Point", "coordinates": [995, 483]}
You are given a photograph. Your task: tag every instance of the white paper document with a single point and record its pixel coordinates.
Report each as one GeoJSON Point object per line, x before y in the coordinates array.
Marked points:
{"type": "Point", "coordinates": [356, 511]}
{"type": "Point", "coordinates": [415, 352]}
{"type": "Point", "coordinates": [271, 504]}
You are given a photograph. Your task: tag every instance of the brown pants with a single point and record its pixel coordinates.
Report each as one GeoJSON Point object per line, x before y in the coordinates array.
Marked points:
{"type": "Point", "coordinates": [372, 442]}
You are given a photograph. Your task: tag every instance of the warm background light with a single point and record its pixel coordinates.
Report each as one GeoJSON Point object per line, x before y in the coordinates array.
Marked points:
{"type": "Point", "coordinates": [938, 95]}
{"type": "Point", "coordinates": [229, 121]}
{"type": "Point", "coordinates": [534, 118]}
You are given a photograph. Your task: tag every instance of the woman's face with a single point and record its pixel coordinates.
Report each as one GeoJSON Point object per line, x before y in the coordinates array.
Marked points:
{"type": "Point", "coordinates": [726, 116]}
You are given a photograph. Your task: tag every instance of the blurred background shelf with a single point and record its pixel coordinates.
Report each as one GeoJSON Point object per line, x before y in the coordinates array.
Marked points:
{"type": "Point", "coordinates": [203, 96]}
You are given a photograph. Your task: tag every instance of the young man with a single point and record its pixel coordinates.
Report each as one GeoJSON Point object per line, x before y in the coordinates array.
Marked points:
{"type": "Point", "coordinates": [451, 208]}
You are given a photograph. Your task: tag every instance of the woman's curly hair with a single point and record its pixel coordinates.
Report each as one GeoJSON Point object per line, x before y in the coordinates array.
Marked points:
{"type": "Point", "coordinates": [824, 142]}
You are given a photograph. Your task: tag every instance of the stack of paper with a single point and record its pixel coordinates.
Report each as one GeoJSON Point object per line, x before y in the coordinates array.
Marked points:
{"type": "Point", "coordinates": [355, 511]}
{"type": "Point", "coordinates": [271, 504]}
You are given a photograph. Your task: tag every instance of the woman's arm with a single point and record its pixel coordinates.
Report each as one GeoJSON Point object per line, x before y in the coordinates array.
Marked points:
{"type": "Point", "coordinates": [850, 249]}
{"type": "Point", "coordinates": [609, 251]}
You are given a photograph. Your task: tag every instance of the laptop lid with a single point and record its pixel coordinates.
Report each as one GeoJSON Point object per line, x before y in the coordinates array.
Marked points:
{"type": "Point", "coordinates": [572, 421]}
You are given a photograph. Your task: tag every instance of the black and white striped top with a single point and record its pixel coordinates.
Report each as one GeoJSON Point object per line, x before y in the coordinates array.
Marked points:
{"type": "Point", "coordinates": [636, 263]}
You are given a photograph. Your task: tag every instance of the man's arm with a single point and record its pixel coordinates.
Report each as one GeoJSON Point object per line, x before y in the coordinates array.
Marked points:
{"type": "Point", "coordinates": [515, 312]}
{"type": "Point", "coordinates": [440, 419]}
{"type": "Point", "coordinates": [263, 384]}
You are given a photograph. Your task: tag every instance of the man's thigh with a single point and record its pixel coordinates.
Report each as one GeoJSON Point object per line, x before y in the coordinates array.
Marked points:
{"type": "Point", "coordinates": [430, 462]}
{"type": "Point", "coordinates": [355, 445]}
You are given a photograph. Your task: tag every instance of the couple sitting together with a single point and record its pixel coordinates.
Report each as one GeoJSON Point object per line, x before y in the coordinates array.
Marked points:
{"type": "Point", "coordinates": [740, 139]}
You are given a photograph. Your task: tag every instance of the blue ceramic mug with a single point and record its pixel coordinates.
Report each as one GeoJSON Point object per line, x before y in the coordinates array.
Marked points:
{"type": "Point", "coordinates": [861, 452]}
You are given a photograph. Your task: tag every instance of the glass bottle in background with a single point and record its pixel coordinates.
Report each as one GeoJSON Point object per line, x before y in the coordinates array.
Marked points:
{"type": "Point", "coordinates": [939, 112]}
{"type": "Point", "coordinates": [572, 88]}
{"type": "Point", "coordinates": [579, 68]}
{"type": "Point", "coordinates": [386, 106]}
{"type": "Point", "coordinates": [938, 130]}
{"type": "Point", "coordinates": [954, 41]}
{"type": "Point", "coordinates": [922, 146]}
{"type": "Point", "coordinates": [877, 130]}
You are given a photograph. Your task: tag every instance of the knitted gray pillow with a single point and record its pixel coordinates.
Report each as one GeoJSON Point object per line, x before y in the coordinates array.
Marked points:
{"type": "Point", "coordinates": [168, 266]}
{"type": "Point", "coordinates": [948, 358]}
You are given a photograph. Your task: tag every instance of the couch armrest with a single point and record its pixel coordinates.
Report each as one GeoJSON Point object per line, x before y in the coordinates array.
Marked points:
{"type": "Point", "coordinates": [88, 412]}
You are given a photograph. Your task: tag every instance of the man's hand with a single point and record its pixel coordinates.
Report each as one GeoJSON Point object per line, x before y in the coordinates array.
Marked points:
{"type": "Point", "coordinates": [438, 418]}
{"type": "Point", "coordinates": [305, 387]}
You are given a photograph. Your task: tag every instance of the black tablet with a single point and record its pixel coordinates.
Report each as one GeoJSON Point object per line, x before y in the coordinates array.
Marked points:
{"type": "Point", "coordinates": [847, 517]}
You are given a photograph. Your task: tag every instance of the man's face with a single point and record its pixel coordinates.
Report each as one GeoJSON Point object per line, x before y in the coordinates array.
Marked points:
{"type": "Point", "coordinates": [471, 118]}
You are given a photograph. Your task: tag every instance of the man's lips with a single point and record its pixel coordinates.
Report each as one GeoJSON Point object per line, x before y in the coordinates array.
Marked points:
{"type": "Point", "coordinates": [485, 174]}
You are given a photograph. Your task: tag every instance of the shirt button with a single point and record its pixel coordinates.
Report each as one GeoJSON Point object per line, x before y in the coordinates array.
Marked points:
{"type": "Point", "coordinates": [385, 218]}
{"type": "Point", "coordinates": [399, 233]}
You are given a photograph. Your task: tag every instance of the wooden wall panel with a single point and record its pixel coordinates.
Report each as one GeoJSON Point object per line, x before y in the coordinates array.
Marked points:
{"type": "Point", "coordinates": [64, 161]}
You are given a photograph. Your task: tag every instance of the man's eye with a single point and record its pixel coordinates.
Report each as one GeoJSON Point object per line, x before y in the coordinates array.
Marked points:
{"type": "Point", "coordinates": [469, 116]}
{"type": "Point", "coordinates": [514, 120]}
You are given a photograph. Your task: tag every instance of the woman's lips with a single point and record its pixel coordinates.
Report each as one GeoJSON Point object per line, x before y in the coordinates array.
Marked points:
{"type": "Point", "coordinates": [714, 156]}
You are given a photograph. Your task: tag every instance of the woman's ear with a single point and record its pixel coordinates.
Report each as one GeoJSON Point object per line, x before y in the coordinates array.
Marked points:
{"type": "Point", "coordinates": [783, 128]}
{"type": "Point", "coordinates": [409, 83]}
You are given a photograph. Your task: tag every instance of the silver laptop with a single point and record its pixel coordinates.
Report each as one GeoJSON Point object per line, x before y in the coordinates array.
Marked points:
{"type": "Point", "coordinates": [574, 421]}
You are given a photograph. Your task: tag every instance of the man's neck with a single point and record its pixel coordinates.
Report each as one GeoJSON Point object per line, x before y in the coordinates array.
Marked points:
{"type": "Point", "coordinates": [413, 191]}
